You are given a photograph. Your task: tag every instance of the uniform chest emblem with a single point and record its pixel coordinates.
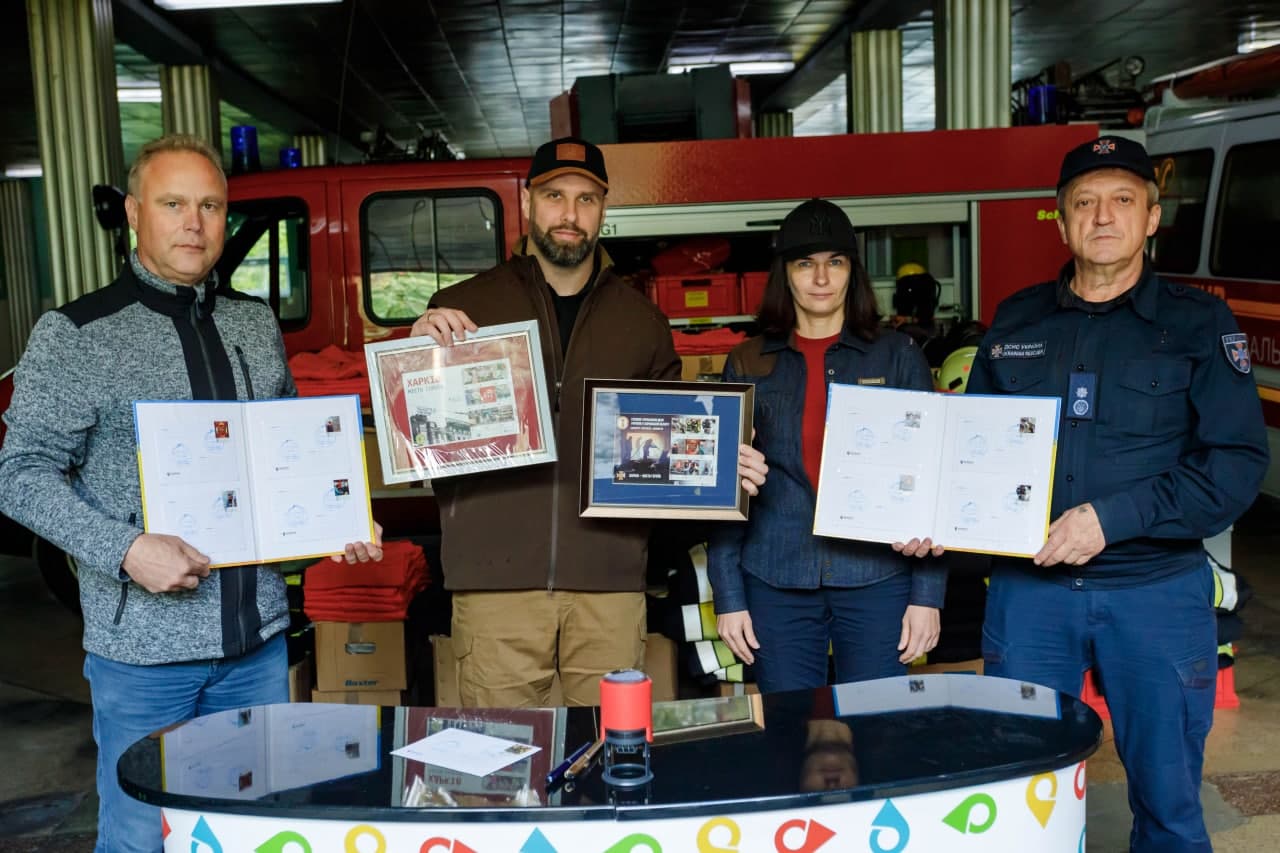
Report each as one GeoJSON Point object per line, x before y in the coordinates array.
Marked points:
{"type": "Point", "coordinates": [1081, 405]}
{"type": "Point", "coordinates": [1019, 349]}
{"type": "Point", "coordinates": [1237, 349]}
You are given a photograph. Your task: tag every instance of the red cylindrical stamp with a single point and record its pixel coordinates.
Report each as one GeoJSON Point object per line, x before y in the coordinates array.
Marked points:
{"type": "Point", "coordinates": [626, 704]}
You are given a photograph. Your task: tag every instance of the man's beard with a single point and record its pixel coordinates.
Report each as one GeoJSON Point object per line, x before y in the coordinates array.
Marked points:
{"type": "Point", "coordinates": [565, 255]}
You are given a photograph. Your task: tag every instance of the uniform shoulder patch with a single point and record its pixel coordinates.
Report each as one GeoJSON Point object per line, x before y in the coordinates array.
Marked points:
{"type": "Point", "coordinates": [1236, 346]}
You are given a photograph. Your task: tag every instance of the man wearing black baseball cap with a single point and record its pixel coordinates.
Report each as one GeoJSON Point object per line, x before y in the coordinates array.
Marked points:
{"type": "Point", "coordinates": [1161, 444]}
{"type": "Point", "coordinates": [567, 156]}
{"type": "Point", "coordinates": [537, 590]}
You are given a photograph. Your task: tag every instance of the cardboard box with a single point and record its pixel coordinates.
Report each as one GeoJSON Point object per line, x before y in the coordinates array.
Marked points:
{"type": "Point", "coordinates": [373, 463]}
{"type": "Point", "coordinates": [730, 688]}
{"type": "Point", "coordinates": [706, 295]}
{"type": "Point", "coordinates": [705, 367]}
{"type": "Point", "coordinates": [970, 667]}
{"type": "Point", "coordinates": [358, 697]}
{"type": "Point", "coordinates": [360, 656]}
{"type": "Point", "coordinates": [301, 680]}
{"type": "Point", "coordinates": [660, 662]}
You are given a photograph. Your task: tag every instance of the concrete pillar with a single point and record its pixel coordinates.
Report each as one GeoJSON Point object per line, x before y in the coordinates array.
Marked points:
{"type": "Point", "coordinates": [17, 250]}
{"type": "Point", "coordinates": [972, 63]}
{"type": "Point", "coordinates": [189, 103]}
{"type": "Point", "coordinates": [78, 122]}
{"type": "Point", "coordinates": [775, 124]}
{"type": "Point", "coordinates": [311, 146]}
{"type": "Point", "coordinates": [875, 81]}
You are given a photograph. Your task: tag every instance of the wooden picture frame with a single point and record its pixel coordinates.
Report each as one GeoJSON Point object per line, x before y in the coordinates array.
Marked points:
{"type": "Point", "coordinates": [657, 449]}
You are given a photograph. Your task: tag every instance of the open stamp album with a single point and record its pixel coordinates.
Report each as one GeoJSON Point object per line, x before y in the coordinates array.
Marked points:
{"type": "Point", "coordinates": [255, 481]}
{"type": "Point", "coordinates": [972, 472]}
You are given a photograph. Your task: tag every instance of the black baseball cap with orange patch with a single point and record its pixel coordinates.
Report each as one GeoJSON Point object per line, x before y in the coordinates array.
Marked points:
{"type": "Point", "coordinates": [567, 156]}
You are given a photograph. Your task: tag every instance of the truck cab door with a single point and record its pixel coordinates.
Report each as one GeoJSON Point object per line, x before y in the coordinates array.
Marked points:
{"type": "Point", "coordinates": [277, 249]}
{"type": "Point", "coordinates": [408, 235]}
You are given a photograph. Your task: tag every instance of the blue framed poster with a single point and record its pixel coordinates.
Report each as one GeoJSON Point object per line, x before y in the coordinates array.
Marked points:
{"type": "Point", "coordinates": [654, 449]}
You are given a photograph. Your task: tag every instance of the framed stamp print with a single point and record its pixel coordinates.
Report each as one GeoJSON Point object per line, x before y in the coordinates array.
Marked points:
{"type": "Point", "coordinates": [655, 449]}
{"type": "Point", "coordinates": [716, 716]}
{"type": "Point", "coordinates": [478, 405]}
{"type": "Point", "coordinates": [434, 785]}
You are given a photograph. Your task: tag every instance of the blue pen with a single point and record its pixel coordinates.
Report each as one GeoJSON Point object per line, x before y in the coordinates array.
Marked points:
{"type": "Point", "coordinates": [555, 777]}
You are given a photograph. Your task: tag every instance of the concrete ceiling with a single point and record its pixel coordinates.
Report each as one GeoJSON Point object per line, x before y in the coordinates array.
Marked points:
{"type": "Point", "coordinates": [481, 72]}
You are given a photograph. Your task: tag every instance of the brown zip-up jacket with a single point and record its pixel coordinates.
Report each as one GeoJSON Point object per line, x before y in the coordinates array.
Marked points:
{"type": "Point", "coordinates": [519, 529]}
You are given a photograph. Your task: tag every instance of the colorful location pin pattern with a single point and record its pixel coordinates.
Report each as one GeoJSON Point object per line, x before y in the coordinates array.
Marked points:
{"type": "Point", "coordinates": [889, 831]}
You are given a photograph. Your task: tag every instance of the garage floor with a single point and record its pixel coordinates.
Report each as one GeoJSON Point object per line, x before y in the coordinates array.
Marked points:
{"type": "Point", "coordinates": [47, 799]}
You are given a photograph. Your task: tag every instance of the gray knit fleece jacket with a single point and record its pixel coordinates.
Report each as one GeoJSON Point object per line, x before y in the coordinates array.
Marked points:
{"type": "Point", "coordinates": [69, 471]}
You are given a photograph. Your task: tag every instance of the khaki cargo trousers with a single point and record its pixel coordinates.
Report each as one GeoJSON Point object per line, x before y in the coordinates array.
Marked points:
{"type": "Point", "coordinates": [511, 646]}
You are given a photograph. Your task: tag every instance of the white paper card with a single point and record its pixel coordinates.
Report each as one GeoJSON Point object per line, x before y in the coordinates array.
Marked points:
{"type": "Point", "coordinates": [466, 751]}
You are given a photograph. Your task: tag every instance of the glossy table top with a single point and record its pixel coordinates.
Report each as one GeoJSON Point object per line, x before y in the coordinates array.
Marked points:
{"type": "Point", "coordinates": [888, 738]}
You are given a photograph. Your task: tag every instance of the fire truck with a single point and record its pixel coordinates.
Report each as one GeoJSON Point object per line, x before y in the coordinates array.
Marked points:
{"type": "Point", "coordinates": [1217, 168]}
{"type": "Point", "coordinates": [350, 254]}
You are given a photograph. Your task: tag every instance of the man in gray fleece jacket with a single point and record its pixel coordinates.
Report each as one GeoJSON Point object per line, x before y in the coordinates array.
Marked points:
{"type": "Point", "coordinates": [166, 639]}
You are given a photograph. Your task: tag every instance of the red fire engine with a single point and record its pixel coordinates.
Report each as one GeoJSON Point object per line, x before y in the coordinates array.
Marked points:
{"type": "Point", "coordinates": [350, 254]}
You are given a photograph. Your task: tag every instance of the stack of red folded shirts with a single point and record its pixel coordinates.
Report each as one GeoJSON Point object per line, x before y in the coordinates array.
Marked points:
{"type": "Point", "coordinates": [708, 342]}
{"type": "Point", "coordinates": [331, 371]}
{"type": "Point", "coordinates": [365, 592]}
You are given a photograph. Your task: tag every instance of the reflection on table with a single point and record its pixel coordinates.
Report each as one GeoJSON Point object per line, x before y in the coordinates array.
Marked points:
{"type": "Point", "coordinates": [856, 744]}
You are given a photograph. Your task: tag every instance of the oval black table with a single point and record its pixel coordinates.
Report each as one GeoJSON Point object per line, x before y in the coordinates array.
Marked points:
{"type": "Point", "coordinates": [935, 762]}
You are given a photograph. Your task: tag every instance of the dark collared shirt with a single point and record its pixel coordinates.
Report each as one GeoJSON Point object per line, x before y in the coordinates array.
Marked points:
{"type": "Point", "coordinates": [1177, 446]}
{"type": "Point", "coordinates": [1067, 298]}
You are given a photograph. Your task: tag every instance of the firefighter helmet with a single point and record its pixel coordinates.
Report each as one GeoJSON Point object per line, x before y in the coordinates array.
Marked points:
{"type": "Point", "coordinates": [954, 373]}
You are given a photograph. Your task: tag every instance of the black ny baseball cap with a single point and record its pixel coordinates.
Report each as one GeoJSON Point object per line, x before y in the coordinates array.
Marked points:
{"type": "Point", "coordinates": [567, 156]}
{"type": "Point", "coordinates": [817, 225]}
{"type": "Point", "coordinates": [1106, 152]}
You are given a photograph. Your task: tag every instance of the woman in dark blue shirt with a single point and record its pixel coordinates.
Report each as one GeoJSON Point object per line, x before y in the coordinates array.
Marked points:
{"type": "Point", "coordinates": [782, 595]}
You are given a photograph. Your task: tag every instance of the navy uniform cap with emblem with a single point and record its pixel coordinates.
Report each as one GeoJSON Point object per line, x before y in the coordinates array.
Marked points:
{"type": "Point", "coordinates": [1106, 152]}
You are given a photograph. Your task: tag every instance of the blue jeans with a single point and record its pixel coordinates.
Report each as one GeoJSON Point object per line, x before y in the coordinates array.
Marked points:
{"type": "Point", "coordinates": [1154, 647]}
{"type": "Point", "coordinates": [795, 627]}
{"type": "Point", "coordinates": [130, 702]}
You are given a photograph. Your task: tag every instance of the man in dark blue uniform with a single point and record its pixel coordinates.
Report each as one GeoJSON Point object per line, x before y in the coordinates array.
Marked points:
{"type": "Point", "coordinates": [1161, 444]}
